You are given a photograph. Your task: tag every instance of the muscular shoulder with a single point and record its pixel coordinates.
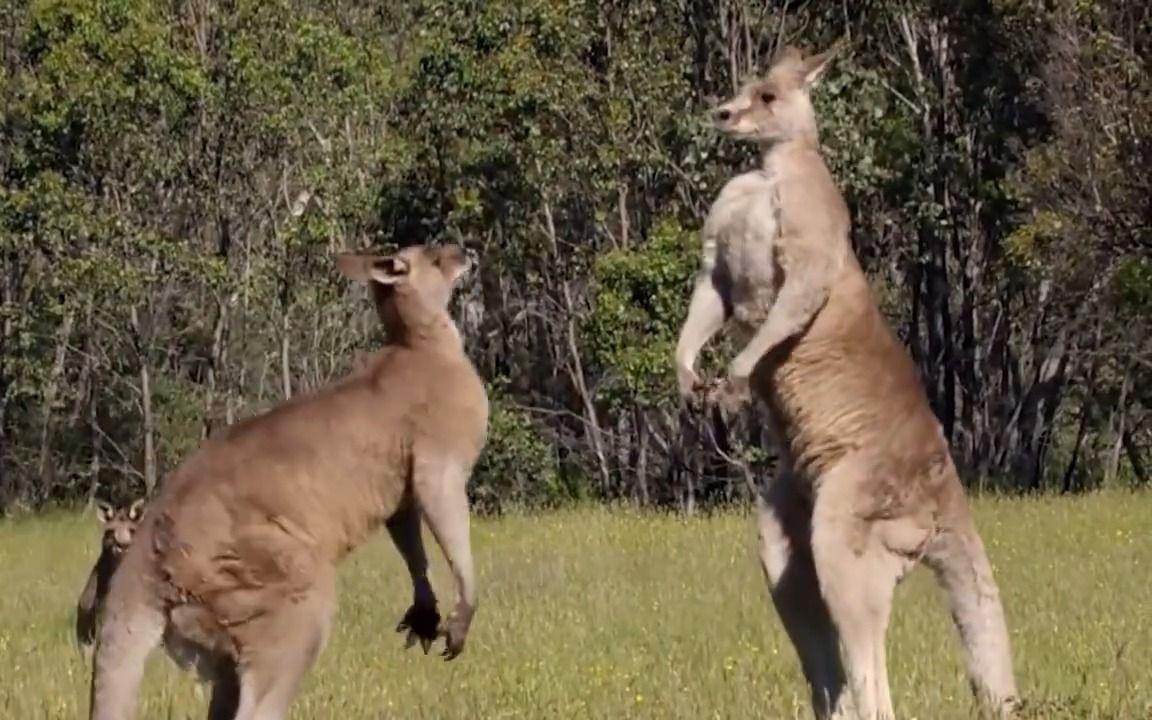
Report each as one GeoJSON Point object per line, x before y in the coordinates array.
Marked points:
{"type": "Point", "coordinates": [810, 200]}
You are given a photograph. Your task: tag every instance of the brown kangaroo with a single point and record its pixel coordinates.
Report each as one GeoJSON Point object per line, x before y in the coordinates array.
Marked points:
{"type": "Point", "coordinates": [234, 561]}
{"type": "Point", "coordinates": [867, 485]}
{"type": "Point", "coordinates": [117, 525]}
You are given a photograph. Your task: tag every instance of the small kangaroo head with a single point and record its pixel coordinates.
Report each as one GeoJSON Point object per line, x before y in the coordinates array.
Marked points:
{"type": "Point", "coordinates": [777, 106]}
{"type": "Point", "coordinates": [430, 273]}
{"type": "Point", "coordinates": [119, 524]}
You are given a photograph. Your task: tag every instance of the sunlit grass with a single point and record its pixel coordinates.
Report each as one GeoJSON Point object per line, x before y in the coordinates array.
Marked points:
{"type": "Point", "coordinates": [596, 613]}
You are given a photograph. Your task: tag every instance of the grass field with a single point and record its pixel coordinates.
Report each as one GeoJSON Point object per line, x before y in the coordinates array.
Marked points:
{"type": "Point", "coordinates": [603, 614]}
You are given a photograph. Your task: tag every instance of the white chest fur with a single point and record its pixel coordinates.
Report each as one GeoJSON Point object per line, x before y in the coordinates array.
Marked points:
{"type": "Point", "coordinates": [739, 237]}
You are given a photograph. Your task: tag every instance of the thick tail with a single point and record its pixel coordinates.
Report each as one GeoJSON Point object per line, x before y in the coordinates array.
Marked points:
{"type": "Point", "coordinates": [958, 558]}
{"type": "Point", "coordinates": [128, 632]}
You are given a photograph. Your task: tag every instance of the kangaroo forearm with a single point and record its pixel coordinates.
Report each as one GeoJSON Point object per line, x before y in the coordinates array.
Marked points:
{"type": "Point", "coordinates": [799, 300]}
{"type": "Point", "coordinates": [404, 529]}
{"type": "Point", "coordinates": [706, 315]}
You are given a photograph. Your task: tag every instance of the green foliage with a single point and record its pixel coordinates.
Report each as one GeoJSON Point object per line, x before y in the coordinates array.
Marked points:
{"type": "Point", "coordinates": [517, 468]}
{"type": "Point", "coordinates": [640, 303]}
{"type": "Point", "coordinates": [866, 131]}
{"type": "Point", "coordinates": [1132, 288]}
{"type": "Point", "coordinates": [1025, 245]}
{"type": "Point", "coordinates": [173, 179]}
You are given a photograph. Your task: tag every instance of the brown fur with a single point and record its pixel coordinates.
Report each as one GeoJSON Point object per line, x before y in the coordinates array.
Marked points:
{"type": "Point", "coordinates": [233, 565]}
{"type": "Point", "coordinates": [867, 486]}
{"type": "Point", "coordinates": [117, 526]}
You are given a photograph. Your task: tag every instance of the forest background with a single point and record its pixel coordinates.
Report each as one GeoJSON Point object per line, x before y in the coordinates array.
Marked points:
{"type": "Point", "coordinates": [174, 177]}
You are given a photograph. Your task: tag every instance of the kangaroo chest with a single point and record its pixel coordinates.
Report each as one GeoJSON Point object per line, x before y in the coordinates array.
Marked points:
{"type": "Point", "coordinates": [740, 234]}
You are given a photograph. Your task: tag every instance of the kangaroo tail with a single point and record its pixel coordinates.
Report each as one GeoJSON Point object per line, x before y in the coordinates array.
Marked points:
{"type": "Point", "coordinates": [128, 632]}
{"type": "Point", "coordinates": [958, 558]}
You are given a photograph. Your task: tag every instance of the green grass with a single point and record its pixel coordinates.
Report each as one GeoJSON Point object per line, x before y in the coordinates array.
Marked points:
{"type": "Point", "coordinates": [602, 614]}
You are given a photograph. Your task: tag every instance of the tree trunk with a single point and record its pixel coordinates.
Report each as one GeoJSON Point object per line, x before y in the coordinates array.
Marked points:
{"type": "Point", "coordinates": [145, 405]}
{"type": "Point", "coordinates": [1113, 466]}
{"type": "Point", "coordinates": [642, 456]}
{"type": "Point", "coordinates": [51, 390]}
{"type": "Point", "coordinates": [215, 364]}
{"type": "Point", "coordinates": [285, 355]}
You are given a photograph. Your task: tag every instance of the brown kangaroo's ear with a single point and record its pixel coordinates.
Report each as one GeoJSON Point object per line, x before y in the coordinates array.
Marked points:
{"type": "Point", "coordinates": [386, 269]}
{"type": "Point", "coordinates": [136, 510]}
{"type": "Point", "coordinates": [389, 270]}
{"type": "Point", "coordinates": [104, 511]}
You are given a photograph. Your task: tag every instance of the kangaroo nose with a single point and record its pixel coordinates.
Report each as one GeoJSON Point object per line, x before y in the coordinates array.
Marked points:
{"type": "Point", "coordinates": [721, 115]}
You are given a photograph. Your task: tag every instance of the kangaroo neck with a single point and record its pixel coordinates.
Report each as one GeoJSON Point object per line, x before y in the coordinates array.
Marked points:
{"type": "Point", "coordinates": [409, 320]}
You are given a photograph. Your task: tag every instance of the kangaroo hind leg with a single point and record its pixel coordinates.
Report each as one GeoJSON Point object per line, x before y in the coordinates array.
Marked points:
{"type": "Point", "coordinates": [128, 633]}
{"type": "Point", "coordinates": [280, 647]}
{"type": "Point", "coordinates": [783, 525]}
{"type": "Point", "coordinates": [225, 700]}
{"type": "Point", "coordinates": [858, 572]}
{"type": "Point", "coordinates": [960, 562]}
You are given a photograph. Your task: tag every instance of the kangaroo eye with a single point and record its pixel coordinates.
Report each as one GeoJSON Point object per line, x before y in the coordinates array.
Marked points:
{"type": "Point", "coordinates": [767, 98]}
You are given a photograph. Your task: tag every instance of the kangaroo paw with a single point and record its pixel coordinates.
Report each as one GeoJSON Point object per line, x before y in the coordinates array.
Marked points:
{"type": "Point", "coordinates": [421, 622]}
{"type": "Point", "coordinates": [454, 631]}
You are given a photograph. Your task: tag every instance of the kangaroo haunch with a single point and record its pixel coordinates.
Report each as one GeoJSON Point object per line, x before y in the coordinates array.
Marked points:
{"type": "Point", "coordinates": [234, 561]}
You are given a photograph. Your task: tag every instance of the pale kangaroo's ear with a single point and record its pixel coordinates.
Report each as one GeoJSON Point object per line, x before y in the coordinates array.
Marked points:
{"type": "Point", "coordinates": [786, 54]}
{"type": "Point", "coordinates": [136, 509]}
{"type": "Point", "coordinates": [104, 511]}
{"type": "Point", "coordinates": [452, 260]}
{"type": "Point", "coordinates": [361, 359]}
{"type": "Point", "coordinates": [814, 66]}
{"type": "Point", "coordinates": [355, 266]}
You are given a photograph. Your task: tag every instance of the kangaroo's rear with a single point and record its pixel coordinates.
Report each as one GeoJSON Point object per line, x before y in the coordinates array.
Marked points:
{"type": "Point", "coordinates": [233, 564]}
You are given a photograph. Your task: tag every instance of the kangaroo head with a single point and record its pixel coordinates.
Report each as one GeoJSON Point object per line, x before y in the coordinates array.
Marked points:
{"type": "Point", "coordinates": [428, 274]}
{"type": "Point", "coordinates": [119, 524]}
{"type": "Point", "coordinates": [776, 106]}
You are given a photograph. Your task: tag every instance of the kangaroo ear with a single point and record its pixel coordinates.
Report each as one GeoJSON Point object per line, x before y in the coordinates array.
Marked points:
{"type": "Point", "coordinates": [354, 266]}
{"type": "Point", "coordinates": [104, 511]}
{"type": "Point", "coordinates": [361, 359]}
{"type": "Point", "coordinates": [136, 509]}
{"type": "Point", "coordinates": [786, 54]}
{"type": "Point", "coordinates": [453, 260]}
{"type": "Point", "coordinates": [389, 270]}
{"type": "Point", "coordinates": [815, 65]}
{"type": "Point", "coordinates": [383, 269]}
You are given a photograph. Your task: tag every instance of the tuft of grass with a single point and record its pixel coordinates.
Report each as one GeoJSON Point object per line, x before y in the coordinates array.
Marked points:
{"type": "Point", "coordinates": [597, 612]}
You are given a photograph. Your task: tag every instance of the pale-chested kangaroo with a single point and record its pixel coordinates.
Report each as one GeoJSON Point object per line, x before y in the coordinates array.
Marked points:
{"type": "Point", "coordinates": [234, 561]}
{"type": "Point", "coordinates": [867, 486]}
{"type": "Point", "coordinates": [117, 525]}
